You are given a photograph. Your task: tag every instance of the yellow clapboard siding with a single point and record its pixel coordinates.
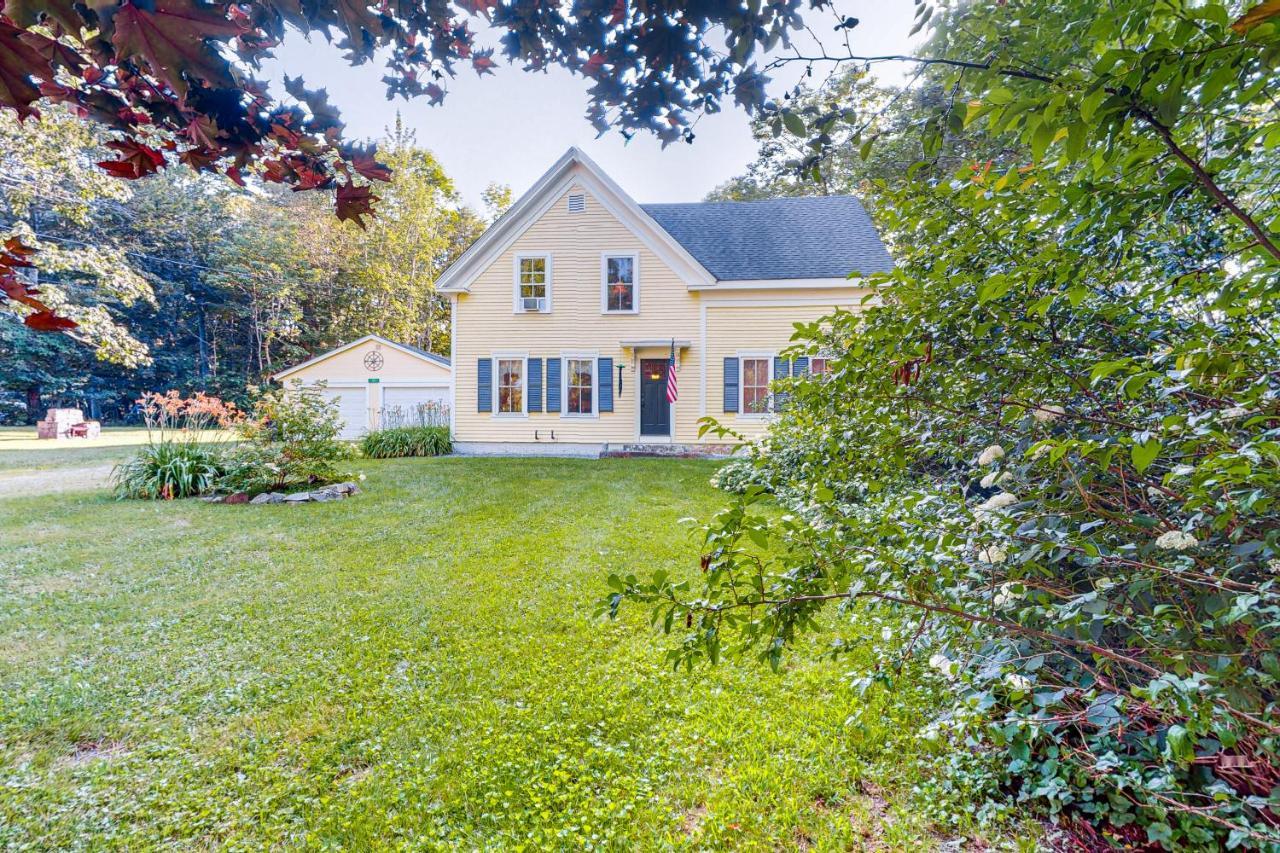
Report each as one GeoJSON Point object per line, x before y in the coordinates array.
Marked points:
{"type": "Point", "coordinates": [486, 323]}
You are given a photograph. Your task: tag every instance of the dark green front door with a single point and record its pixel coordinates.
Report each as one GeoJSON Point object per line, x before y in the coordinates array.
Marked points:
{"type": "Point", "coordinates": [655, 411]}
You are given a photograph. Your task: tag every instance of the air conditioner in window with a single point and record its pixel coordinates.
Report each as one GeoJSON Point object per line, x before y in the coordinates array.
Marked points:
{"type": "Point", "coordinates": [534, 303]}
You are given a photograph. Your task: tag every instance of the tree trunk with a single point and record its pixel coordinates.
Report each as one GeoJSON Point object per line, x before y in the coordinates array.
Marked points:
{"type": "Point", "coordinates": [34, 412]}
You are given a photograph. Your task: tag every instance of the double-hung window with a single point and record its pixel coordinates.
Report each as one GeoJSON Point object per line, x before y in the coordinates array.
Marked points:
{"type": "Point", "coordinates": [533, 283]}
{"type": "Point", "coordinates": [818, 365]}
{"type": "Point", "coordinates": [755, 384]}
{"type": "Point", "coordinates": [620, 286]}
{"type": "Point", "coordinates": [510, 386]}
{"type": "Point", "coordinates": [580, 386]}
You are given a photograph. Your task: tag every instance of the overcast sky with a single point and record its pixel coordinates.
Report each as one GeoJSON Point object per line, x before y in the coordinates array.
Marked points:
{"type": "Point", "coordinates": [511, 126]}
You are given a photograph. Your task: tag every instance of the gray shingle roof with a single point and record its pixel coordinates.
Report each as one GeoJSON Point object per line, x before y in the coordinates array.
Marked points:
{"type": "Point", "coordinates": [820, 237]}
{"type": "Point", "coordinates": [439, 359]}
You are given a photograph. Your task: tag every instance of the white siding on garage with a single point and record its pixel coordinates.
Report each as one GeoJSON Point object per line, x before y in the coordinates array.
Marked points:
{"type": "Point", "coordinates": [353, 408]}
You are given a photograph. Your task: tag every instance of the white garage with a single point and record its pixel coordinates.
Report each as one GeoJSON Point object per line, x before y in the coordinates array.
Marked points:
{"type": "Point", "coordinates": [378, 383]}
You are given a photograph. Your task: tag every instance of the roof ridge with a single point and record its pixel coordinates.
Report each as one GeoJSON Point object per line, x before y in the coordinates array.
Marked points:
{"type": "Point", "coordinates": [753, 200]}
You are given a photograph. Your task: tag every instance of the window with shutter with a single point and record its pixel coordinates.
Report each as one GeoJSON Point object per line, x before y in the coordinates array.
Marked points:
{"type": "Point", "coordinates": [731, 366]}
{"type": "Point", "coordinates": [484, 385]}
{"type": "Point", "coordinates": [535, 385]}
{"type": "Point", "coordinates": [553, 384]}
{"type": "Point", "coordinates": [604, 383]}
{"type": "Point", "coordinates": [580, 385]}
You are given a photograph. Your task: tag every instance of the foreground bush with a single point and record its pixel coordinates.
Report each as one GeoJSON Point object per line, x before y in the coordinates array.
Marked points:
{"type": "Point", "coordinates": [1051, 446]}
{"type": "Point", "coordinates": [407, 441]}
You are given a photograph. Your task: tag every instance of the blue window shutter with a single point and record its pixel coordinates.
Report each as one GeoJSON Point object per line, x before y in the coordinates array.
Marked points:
{"type": "Point", "coordinates": [553, 384]}
{"type": "Point", "coordinates": [484, 385]}
{"type": "Point", "coordinates": [800, 367]}
{"type": "Point", "coordinates": [781, 370]}
{"type": "Point", "coordinates": [535, 385]}
{"type": "Point", "coordinates": [604, 377]}
{"type": "Point", "coordinates": [731, 384]}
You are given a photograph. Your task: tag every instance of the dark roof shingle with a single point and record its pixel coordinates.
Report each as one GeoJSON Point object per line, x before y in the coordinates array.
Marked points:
{"type": "Point", "coordinates": [820, 237]}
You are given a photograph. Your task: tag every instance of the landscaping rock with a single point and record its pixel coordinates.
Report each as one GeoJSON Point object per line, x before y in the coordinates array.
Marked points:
{"type": "Point", "coordinates": [297, 497]}
{"type": "Point", "coordinates": [236, 498]}
{"type": "Point", "coordinates": [268, 498]}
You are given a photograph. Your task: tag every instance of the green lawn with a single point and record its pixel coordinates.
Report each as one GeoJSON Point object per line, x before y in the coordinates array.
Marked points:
{"type": "Point", "coordinates": [418, 666]}
{"type": "Point", "coordinates": [21, 450]}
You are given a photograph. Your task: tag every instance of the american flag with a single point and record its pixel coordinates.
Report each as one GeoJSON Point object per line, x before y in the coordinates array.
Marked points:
{"type": "Point", "coordinates": [673, 393]}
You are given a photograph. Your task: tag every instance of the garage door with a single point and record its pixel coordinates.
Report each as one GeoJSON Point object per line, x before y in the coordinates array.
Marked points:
{"type": "Point", "coordinates": [404, 405]}
{"type": "Point", "coordinates": [352, 408]}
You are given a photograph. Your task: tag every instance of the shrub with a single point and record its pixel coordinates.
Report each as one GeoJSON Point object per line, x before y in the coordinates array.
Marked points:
{"type": "Point", "coordinates": [737, 474]}
{"type": "Point", "coordinates": [253, 467]}
{"type": "Point", "coordinates": [182, 458]}
{"type": "Point", "coordinates": [407, 441]}
{"type": "Point", "coordinates": [291, 440]}
{"type": "Point", "coordinates": [169, 469]}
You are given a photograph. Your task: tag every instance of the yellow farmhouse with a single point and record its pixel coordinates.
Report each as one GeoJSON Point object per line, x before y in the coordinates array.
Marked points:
{"type": "Point", "coordinates": [566, 310]}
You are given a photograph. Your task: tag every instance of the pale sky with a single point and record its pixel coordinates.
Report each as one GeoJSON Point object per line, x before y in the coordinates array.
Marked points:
{"type": "Point", "coordinates": [509, 127]}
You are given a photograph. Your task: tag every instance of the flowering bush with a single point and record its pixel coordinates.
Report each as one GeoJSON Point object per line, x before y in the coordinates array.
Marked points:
{"type": "Point", "coordinates": [291, 440]}
{"type": "Point", "coordinates": [182, 457]}
{"type": "Point", "coordinates": [1051, 444]}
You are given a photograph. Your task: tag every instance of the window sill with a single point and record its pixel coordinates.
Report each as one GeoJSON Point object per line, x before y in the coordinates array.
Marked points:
{"type": "Point", "coordinates": [607, 312]}
{"type": "Point", "coordinates": [580, 416]}
{"type": "Point", "coordinates": [510, 416]}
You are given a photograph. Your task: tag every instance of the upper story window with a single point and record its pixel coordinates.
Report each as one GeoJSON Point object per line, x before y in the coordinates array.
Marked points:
{"type": "Point", "coordinates": [819, 365]}
{"type": "Point", "coordinates": [533, 283]}
{"type": "Point", "coordinates": [510, 386]}
{"type": "Point", "coordinates": [621, 295]}
{"type": "Point", "coordinates": [755, 384]}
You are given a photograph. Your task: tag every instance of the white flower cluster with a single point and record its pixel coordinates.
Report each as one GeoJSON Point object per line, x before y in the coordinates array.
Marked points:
{"type": "Point", "coordinates": [997, 502]}
{"type": "Point", "coordinates": [992, 555]}
{"type": "Point", "coordinates": [991, 454]}
{"type": "Point", "coordinates": [1018, 683]}
{"type": "Point", "coordinates": [944, 664]}
{"type": "Point", "coordinates": [1045, 414]}
{"type": "Point", "coordinates": [1006, 595]}
{"type": "Point", "coordinates": [1175, 540]}
{"type": "Point", "coordinates": [1274, 565]}
{"type": "Point", "coordinates": [995, 478]}
{"type": "Point", "coordinates": [1233, 412]}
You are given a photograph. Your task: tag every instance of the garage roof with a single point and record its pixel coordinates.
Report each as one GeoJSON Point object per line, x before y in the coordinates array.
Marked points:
{"type": "Point", "coordinates": [406, 348]}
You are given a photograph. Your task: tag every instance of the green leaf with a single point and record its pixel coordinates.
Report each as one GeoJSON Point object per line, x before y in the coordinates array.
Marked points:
{"type": "Point", "coordinates": [1144, 454]}
{"type": "Point", "coordinates": [795, 124]}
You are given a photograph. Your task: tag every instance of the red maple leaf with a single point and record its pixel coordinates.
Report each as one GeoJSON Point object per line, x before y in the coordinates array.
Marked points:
{"type": "Point", "coordinates": [593, 65]}
{"type": "Point", "coordinates": [200, 159]}
{"type": "Point", "coordinates": [479, 7]}
{"type": "Point", "coordinates": [364, 161]}
{"type": "Point", "coordinates": [47, 321]}
{"type": "Point", "coordinates": [171, 36]}
{"type": "Point", "coordinates": [354, 202]}
{"type": "Point", "coordinates": [18, 62]}
{"type": "Point", "coordinates": [137, 160]}
{"type": "Point", "coordinates": [483, 62]}
{"type": "Point", "coordinates": [435, 94]}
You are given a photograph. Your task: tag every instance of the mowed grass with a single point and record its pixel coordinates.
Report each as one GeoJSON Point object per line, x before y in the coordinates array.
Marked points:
{"type": "Point", "coordinates": [417, 667]}
{"type": "Point", "coordinates": [20, 450]}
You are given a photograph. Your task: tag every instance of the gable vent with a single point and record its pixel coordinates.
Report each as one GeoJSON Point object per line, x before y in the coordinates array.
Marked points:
{"type": "Point", "coordinates": [577, 203]}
